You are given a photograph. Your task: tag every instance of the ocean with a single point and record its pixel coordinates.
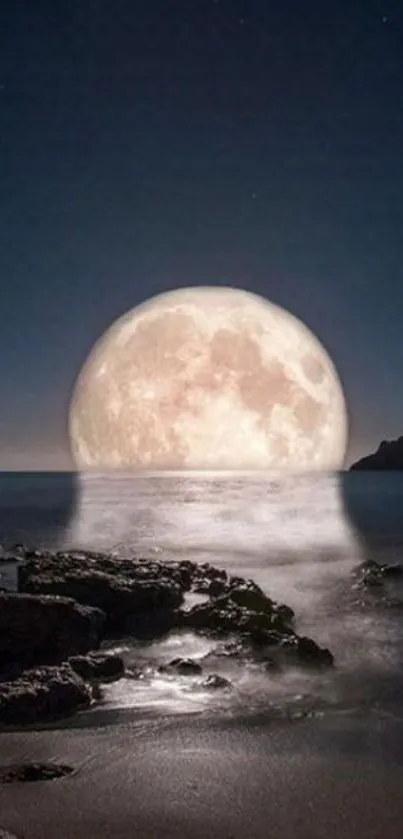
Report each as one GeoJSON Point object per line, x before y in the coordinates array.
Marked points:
{"type": "Point", "coordinates": [299, 536]}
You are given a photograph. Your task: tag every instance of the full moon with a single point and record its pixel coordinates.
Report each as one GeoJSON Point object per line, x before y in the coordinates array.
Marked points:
{"type": "Point", "coordinates": [208, 378]}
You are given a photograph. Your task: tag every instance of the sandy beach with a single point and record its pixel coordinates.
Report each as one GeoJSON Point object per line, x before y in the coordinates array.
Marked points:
{"type": "Point", "coordinates": [338, 776]}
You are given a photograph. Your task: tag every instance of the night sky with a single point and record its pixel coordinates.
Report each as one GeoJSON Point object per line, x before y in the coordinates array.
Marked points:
{"type": "Point", "coordinates": [164, 143]}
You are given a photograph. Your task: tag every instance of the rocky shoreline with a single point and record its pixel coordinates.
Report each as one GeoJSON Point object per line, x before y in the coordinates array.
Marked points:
{"type": "Point", "coordinates": [69, 603]}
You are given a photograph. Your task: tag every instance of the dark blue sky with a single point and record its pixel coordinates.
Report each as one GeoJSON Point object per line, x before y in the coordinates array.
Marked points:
{"type": "Point", "coordinates": [149, 145]}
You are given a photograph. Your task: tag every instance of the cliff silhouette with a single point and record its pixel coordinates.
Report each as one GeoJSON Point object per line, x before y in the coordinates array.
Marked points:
{"type": "Point", "coordinates": [388, 457]}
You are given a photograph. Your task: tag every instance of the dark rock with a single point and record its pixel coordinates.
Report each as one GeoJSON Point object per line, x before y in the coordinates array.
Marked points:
{"type": "Point", "coordinates": [369, 565]}
{"type": "Point", "coordinates": [209, 572]}
{"type": "Point", "coordinates": [261, 637]}
{"type": "Point", "coordinates": [43, 694]}
{"type": "Point", "coordinates": [104, 667]}
{"type": "Point", "coordinates": [217, 588]}
{"type": "Point", "coordinates": [285, 613]}
{"type": "Point", "coordinates": [182, 666]}
{"type": "Point", "coordinates": [209, 580]}
{"type": "Point", "coordinates": [202, 587]}
{"type": "Point", "coordinates": [372, 574]}
{"type": "Point", "coordinates": [231, 614]}
{"type": "Point", "coordinates": [148, 625]}
{"type": "Point", "coordinates": [123, 589]}
{"type": "Point", "coordinates": [261, 630]}
{"type": "Point", "coordinates": [306, 652]}
{"type": "Point", "coordinates": [272, 650]}
{"type": "Point", "coordinates": [395, 569]}
{"type": "Point", "coordinates": [36, 629]}
{"type": "Point", "coordinates": [27, 772]}
{"type": "Point", "coordinates": [216, 682]}
{"type": "Point", "coordinates": [211, 588]}
{"type": "Point", "coordinates": [375, 583]}
{"type": "Point", "coordinates": [372, 579]}
{"type": "Point", "coordinates": [251, 598]}
{"type": "Point", "coordinates": [309, 652]}
{"type": "Point", "coordinates": [388, 457]}
{"type": "Point", "coordinates": [144, 598]}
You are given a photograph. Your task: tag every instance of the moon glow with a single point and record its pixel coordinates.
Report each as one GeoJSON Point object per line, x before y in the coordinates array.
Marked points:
{"type": "Point", "coordinates": [208, 378]}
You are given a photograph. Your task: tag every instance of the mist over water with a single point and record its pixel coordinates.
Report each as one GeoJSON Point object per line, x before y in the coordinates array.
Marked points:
{"type": "Point", "coordinates": [298, 536]}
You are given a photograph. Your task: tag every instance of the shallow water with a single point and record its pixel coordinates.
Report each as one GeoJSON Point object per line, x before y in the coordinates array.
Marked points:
{"type": "Point", "coordinates": [298, 536]}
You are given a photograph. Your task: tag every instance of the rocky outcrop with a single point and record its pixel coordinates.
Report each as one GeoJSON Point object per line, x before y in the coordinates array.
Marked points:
{"type": "Point", "coordinates": [243, 608]}
{"type": "Point", "coordinates": [47, 693]}
{"type": "Point", "coordinates": [307, 653]}
{"type": "Point", "coordinates": [216, 682]}
{"type": "Point", "coordinates": [264, 629]}
{"type": "Point", "coordinates": [372, 574]}
{"type": "Point", "coordinates": [135, 595]}
{"type": "Point", "coordinates": [143, 594]}
{"type": "Point", "coordinates": [69, 601]}
{"type": "Point", "coordinates": [42, 695]}
{"type": "Point", "coordinates": [388, 457]}
{"type": "Point", "coordinates": [98, 666]}
{"type": "Point", "coordinates": [43, 629]}
{"type": "Point", "coordinates": [182, 667]}
{"type": "Point", "coordinates": [379, 585]}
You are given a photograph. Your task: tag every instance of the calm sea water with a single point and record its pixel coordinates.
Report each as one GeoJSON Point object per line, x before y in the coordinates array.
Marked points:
{"type": "Point", "coordinates": [298, 536]}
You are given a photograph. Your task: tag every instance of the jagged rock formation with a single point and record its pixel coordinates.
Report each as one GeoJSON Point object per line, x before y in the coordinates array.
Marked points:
{"type": "Point", "coordinates": [70, 601]}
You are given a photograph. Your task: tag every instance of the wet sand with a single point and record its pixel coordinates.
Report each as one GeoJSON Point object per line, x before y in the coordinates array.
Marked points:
{"type": "Point", "coordinates": [339, 776]}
